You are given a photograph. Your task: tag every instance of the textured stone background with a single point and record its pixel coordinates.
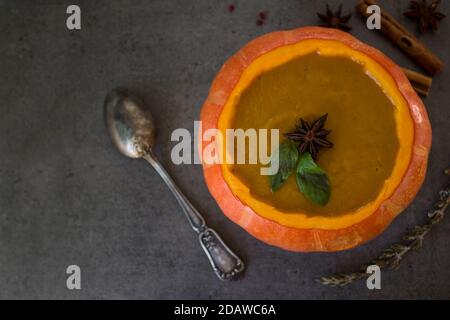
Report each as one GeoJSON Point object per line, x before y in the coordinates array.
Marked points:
{"type": "Point", "coordinates": [67, 197]}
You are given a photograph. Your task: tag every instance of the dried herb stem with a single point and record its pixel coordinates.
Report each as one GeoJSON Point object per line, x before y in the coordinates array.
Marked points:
{"type": "Point", "coordinates": [393, 256]}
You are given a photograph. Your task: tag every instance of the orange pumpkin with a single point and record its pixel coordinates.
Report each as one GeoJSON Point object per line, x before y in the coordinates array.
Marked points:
{"type": "Point", "coordinates": [300, 232]}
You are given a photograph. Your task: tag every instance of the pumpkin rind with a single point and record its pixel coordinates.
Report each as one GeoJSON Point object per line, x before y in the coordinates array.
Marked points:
{"type": "Point", "coordinates": [307, 240]}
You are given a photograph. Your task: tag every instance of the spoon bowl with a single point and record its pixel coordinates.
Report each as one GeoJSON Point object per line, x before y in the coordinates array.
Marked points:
{"type": "Point", "coordinates": [129, 123]}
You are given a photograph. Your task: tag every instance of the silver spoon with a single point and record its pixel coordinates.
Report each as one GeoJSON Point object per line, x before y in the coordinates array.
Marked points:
{"type": "Point", "coordinates": [132, 131]}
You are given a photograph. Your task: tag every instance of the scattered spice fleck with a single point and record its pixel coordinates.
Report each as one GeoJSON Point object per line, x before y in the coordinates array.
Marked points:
{"type": "Point", "coordinates": [231, 8]}
{"type": "Point", "coordinates": [262, 16]}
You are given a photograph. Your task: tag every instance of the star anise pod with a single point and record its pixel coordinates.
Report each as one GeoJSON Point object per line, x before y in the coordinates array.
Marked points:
{"type": "Point", "coordinates": [311, 136]}
{"type": "Point", "coordinates": [428, 15]}
{"type": "Point", "coordinates": [335, 20]}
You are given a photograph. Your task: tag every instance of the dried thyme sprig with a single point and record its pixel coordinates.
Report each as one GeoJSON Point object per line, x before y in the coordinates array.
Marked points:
{"type": "Point", "coordinates": [393, 256]}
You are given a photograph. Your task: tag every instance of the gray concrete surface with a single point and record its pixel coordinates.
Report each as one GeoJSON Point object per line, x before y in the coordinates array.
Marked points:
{"type": "Point", "coordinates": [67, 197]}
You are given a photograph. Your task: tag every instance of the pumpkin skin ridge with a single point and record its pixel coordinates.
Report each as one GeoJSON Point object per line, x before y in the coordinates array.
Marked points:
{"type": "Point", "coordinates": [315, 239]}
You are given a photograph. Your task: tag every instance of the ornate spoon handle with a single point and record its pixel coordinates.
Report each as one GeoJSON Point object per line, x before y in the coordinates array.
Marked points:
{"type": "Point", "coordinates": [225, 263]}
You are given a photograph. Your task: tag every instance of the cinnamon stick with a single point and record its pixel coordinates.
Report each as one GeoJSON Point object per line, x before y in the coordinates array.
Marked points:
{"type": "Point", "coordinates": [421, 83]}
{"type": "Point", "coordinates": [406, 41]}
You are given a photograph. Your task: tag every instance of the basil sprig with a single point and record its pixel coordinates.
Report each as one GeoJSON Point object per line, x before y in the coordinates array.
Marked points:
{"type": "Point", "coordinates": [287, 158]}
{"type": "Point", "coordinates": [312, 181]}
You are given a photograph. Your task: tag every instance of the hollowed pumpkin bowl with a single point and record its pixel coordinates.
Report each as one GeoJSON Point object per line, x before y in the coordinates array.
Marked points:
{"type": "Point", "coordinates": [380, 131]}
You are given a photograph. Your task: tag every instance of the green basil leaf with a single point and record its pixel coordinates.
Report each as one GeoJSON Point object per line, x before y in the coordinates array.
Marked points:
{"type": "Point", "coordinates": [286, 157]}
{"type": "Point", "coordinates": [312, 180]}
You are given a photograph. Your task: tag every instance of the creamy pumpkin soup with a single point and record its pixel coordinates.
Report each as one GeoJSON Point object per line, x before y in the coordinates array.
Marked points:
{"type": "Point", "coordinates": [361, 116]}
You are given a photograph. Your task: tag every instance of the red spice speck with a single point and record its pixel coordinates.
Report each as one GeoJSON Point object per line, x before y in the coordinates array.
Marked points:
{"type": "Point", "coordinates": [263, 15]}
{"type": "Point", "coordinates": [231, 8]}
